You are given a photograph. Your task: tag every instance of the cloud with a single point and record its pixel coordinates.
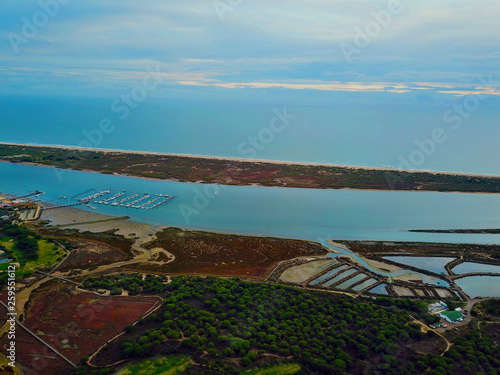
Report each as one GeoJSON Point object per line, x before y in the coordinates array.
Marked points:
{"type": "Point", "coordinates": [471, 92]}
{"type": "Point", "coordinates": [289, 44]}
{"type": "Point", "coordinates": [351, 87]}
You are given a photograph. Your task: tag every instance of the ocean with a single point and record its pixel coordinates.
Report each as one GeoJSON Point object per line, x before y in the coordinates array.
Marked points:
{"type": "Point", "coordinates": [346, 130]}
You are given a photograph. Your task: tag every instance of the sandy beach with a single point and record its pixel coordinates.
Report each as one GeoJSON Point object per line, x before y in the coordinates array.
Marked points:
{"type": "Point", "coordinates": [75, 218]}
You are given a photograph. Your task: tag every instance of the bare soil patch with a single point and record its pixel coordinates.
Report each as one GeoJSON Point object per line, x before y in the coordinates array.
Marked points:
{"type": "Point", "coordinates": [224, 254]}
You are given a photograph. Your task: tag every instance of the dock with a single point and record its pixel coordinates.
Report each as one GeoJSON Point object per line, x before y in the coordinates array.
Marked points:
{"type": "Point", "coordinates": [108, 197]}
{"type": "Point", "coordinates": [135, 200]}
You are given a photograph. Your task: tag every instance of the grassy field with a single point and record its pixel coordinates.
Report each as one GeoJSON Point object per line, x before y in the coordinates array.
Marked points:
{"type": "Point", "coordinates": [5, 243]}
{"type": "Point", "coordinates": [5, 368]}
{"type": "Point", "coordinates": [4, 266]}
{"type": "Point", "coordinates": [171, 365]}
{"type": "Point", "coordinates": [48, 253]}
{"type": "Point", "coordinates": [287, 369]}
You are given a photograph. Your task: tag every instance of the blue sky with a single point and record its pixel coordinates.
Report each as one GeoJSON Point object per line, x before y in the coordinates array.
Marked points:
{"type": "Point", "coordinates": [101, 47]}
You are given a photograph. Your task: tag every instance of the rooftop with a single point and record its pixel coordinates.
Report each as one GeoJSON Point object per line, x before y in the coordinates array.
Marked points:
{"type": "Point", "coordinates": [452, 315]}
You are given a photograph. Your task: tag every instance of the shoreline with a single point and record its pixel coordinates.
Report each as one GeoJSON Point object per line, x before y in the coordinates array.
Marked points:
{"type": "Point", "coordinates": [97, 222]}
{"type": "Point", "coordinates": [243, 160]}
{"type": "Point", "coordinates": [106, 221]}
{"type": "Point", "coordinates": [243, 172]}
{"type": "Point", "coordinates": [256, 184]}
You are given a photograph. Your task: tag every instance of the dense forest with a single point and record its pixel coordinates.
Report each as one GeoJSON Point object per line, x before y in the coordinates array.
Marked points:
{"type": "Point", "coordinates": [25, 244]}
{"type": "Point", "coordinates": [134, 284]}
{"type": "Point", "coordinates": [229, 325]}
{"type": "Point", "coordinates": [491, 308]}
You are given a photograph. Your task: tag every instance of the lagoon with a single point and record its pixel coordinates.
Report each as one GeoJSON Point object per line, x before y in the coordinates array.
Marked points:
{"type": "Point", "coordinates": [307, 214]}
{"type": "Point", "coordinates": [364, 285]}
{"type": "Point", "coordinates": [379, 289]}
{"type": "Point", "coordinates": [310, 214]}
{"type": "Point", "coordinates": [346, 284]}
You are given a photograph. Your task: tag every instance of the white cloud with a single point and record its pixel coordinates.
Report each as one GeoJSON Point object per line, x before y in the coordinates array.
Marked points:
{"type": "Point", "coordinates": [351, 87]}
{"type": "Point", "coordinates": [293, 44]}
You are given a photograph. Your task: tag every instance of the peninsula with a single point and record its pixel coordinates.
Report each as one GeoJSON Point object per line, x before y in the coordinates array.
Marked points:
{"type": "Point", "coordinates": [244, 172]}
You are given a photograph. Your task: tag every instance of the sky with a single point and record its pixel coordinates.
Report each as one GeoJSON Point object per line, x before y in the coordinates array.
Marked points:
{"type": "Point", "coordinates": [100, 47]}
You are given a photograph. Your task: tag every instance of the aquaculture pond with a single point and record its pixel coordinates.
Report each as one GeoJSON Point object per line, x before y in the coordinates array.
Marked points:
{"type": "Point", "coordinates": [364, 285]}
{"type": "Point", "coordinates": [327, 275]}
{"type": "Point", "coordinates": [432, 264]}
{"type": "Point", "coordinates": [339, 277]}
{"type": "Point", "coordinates": [480, 286]}
{"type": "Point", "coordinates": [379, 289]}
{"type": "Point", "coordinates": [472, 267]}
{"type": "Point", "coordinates": [346, 284]}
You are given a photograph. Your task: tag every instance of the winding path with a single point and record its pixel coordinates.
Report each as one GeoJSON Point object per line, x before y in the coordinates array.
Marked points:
{"type": "Point", "coordinates": [425, 329]}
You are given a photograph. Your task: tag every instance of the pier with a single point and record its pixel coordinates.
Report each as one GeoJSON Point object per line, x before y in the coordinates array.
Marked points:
{"type": "Point", "coordinates": [36, 193]}
{"type": "Point", "coordinates": [31, 210]}
{"type": "Point", "coordinates": [63, 206]}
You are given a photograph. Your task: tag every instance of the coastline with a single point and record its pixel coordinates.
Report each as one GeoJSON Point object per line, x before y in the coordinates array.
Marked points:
{"type": "Point", "coordinates": [242, 160]}
{"type": "Point", "coordinates": [97, 222]}
{"type": "Point", "coordinates": [216, 170]}
{"type": "Point", "coordinates": [256, 184]}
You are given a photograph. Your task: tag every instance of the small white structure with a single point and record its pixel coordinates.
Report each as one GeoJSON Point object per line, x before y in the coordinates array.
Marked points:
{"type": "Point", "coordinates": [437, 307]}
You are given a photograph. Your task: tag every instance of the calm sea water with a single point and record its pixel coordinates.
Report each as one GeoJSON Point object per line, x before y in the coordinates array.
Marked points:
{"type": "Point", "coordinates": [347, 130]}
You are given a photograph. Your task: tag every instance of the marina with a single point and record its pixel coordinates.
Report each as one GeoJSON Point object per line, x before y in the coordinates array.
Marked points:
{"type": "Point", "coordinates": [320, 215]}
{"type": "Point", "coordinates": [128, 199]}
{"type": "Point", "coordinates": [32, 208]}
